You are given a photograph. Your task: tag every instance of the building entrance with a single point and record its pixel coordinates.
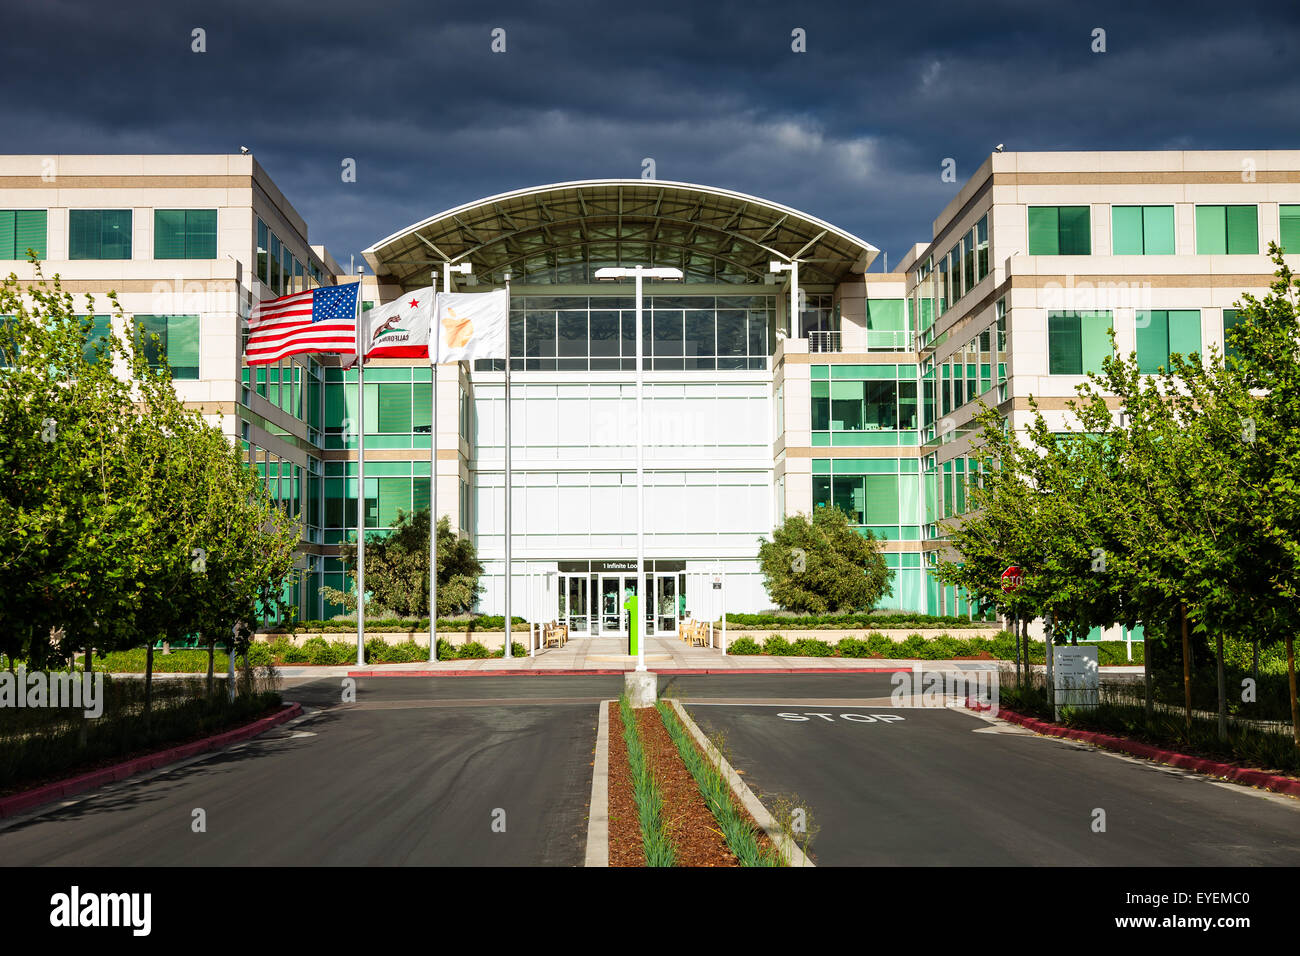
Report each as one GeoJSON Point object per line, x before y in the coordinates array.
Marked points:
{"type": "Point", "coordinates": [592, 595]}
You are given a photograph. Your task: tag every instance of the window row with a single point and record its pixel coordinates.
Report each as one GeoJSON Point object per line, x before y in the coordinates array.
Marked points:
{"type": "Point", "coordinates": [107, 233]}
{"type": "Point", "coordinates": [1078, 342]}
{"type": "Point", "coordinates": [1225, 229]}
{"type": "Point", "coordinates": [280, 270]}
{"type": "Point", "coordinates": [689, 333]}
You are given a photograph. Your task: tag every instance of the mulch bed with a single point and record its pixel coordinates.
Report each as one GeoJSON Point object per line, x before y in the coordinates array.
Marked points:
{"type": "Point", "coordinates": [624, 828]}
{"type": "Point", "coordinates": [690, 823]}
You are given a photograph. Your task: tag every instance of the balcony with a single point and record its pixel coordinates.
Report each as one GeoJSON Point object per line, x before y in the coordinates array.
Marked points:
{"type": "Point", "coordinates": [859, 340]}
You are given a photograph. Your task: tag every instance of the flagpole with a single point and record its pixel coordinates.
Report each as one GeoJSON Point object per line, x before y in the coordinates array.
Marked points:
{"type": "Point", "coordinates": [361, 488]}
{"type": "Point", "coordinates": [508, 655]}
{"type": "Point", "coordinates": [434, 338]}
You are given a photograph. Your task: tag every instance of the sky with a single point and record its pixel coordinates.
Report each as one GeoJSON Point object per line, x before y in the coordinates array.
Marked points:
{"type": "Point", "coordinates": [854, 130]}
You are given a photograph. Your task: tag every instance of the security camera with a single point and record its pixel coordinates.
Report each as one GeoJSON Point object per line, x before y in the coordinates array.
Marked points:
{"type": "Point", "coordinates": [244, 150]}
{"type": "Point", "coordinates": [998, 148]}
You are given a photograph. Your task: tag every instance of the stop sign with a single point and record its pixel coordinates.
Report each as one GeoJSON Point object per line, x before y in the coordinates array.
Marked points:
{"type": "Point", "coordinates": [1011, 579]}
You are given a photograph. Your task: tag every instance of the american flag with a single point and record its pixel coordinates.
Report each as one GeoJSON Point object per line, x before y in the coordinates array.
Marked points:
{"type": "Point", "coordinates": [318, 320]}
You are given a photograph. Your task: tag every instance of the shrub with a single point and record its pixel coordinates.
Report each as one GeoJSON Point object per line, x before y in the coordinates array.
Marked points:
{"type": "Point", "coordinates": [879, 644]}
{"type": "Point", "coordinates": [744, 646]}
{"type": "Point", "coordinates": [260, 654]}
{"type": "Point", "coordinates": [810, 647]}
{"type": "Point", "coordinates": [853, 647]}
{"type": "Point", "coordinates": [445, 650]}
{"type": "Point", "coordinates": [776, 645]}
{"type": "Point", "coordinates": [472, 650]}
{"type": "Point", "coordinates": [516, 649]}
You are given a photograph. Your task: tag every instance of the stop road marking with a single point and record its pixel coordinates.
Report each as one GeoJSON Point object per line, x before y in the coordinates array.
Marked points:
{"type": "Point", "coordinates": [852, 718]}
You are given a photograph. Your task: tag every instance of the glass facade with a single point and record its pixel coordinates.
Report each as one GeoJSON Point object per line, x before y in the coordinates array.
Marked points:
{"type": "Point", "coordinates": [881, 495]}
{"type": "Point", "coordinates": [678, 333]}
{"type": "Point", "coordinates": [864, 405]}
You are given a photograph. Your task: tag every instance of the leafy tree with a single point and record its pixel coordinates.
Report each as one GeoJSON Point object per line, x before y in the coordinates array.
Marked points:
{"type": "Point", "coordinates": [397, 569]}
{"type": "Point", "coordinates": [131, 517]}
{"type": "Point", "coordinates": [822, 565]}
{"type": "Point", "coordinates": [1190, 497]}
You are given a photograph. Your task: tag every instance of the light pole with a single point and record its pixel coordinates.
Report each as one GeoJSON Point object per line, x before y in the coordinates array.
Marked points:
{"type": "Point", "coordinates": [461, 268]}
{"type": "Point", "coordinates": [639, 273]}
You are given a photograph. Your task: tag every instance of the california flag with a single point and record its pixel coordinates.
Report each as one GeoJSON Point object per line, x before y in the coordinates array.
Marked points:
{"type": "Point", "coordinates": [472, 325]}
{"type": "Point", "coordinates": [399, 329]}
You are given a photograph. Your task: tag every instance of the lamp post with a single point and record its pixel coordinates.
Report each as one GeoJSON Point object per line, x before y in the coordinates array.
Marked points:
{"type": "Point", "coordinates": [639, 273]}
{"type": "Point", "coordinates": [460, 268]}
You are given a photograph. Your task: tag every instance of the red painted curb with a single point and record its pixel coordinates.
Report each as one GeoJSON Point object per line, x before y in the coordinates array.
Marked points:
{"type": "Point", "coordinates": [658, 670]}
{"type": "Point", "coordinates": [1213, 768]}
{"type": "Point", "coordinates": [26, 800]}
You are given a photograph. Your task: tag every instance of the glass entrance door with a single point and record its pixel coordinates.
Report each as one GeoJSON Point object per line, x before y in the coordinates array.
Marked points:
{"type": "Point", "coordinates": [666, 604]}
{"type": "Point", "coordinates": [611, 606]}
{"type": "Point", "coordinates": [573, 605]}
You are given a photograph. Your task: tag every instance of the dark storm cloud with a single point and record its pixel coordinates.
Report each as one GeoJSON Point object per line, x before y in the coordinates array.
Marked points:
{"type": "Point", "coordinates": [854, 131]}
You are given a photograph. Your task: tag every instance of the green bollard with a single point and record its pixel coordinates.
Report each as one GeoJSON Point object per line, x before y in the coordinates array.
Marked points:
{"type": "Point", "coordinates": [633, 629]}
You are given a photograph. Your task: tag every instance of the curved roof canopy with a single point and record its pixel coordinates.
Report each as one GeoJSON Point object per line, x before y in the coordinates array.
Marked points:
{"type": "Point", "coordinates": [562, 233]}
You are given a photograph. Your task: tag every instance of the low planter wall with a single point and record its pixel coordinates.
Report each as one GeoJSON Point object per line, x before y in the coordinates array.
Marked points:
{"type": "Point", "coordinates": [489, 639]}
{"type": "Point", "coordinates": [897, 635]}
{"type": "Point", "coordinates": [496, 639]}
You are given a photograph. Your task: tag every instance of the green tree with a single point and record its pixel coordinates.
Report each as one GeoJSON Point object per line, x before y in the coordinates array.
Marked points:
{"type": "Point", "coordinates": [131, 517]}
{"type": "Point", "coordinates": [397, 569]}
{"type": "Point", "coordinates": [822, 565]}
{"type": "Point", "coordinates": [1182, 486]}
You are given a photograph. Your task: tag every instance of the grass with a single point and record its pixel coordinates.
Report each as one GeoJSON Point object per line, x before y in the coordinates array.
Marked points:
{"type": "Point", "coordinates": [735, 825]}
{"type": "Point", "coordinates": [656, 843]}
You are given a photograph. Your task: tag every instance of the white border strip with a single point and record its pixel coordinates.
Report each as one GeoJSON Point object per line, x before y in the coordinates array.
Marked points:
{"type": "Point", "coordinates": [789, 849]}
{"type": "Point", "coordinates": [598, 812]}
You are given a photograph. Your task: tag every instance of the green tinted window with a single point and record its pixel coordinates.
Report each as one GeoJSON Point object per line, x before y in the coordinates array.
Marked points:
{"type": "Point", "coordinates": [1231, 319]}
{"type": "Point", "coordinates": [1227, 230]}
{"type": "Point", "coordinates": [1142, 230]}
{"type": "Point", "coordinates": [1289, 231]}
{"type": "Point", "coordinates": [1060, 230]}
{"type": "Point", "coordinates": [185, 234]}
{"type": "Point", "coordinates": [99, 234]}
{"type": "Point", "coordinates": [20, 230]}
{"type": "Point", "coordinates": [1077, 342]}
{"type": "Point", "coordinates": [97, 340]}
{"type": "Point", "coordinates": [1161, 333]}
{"type": "Point", "coordinates": [177, 341]}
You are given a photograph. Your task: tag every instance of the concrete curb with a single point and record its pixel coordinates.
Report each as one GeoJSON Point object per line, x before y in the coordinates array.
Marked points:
{"type": "Point", "coordinates": [794, 856]}
{"type": "Point", "coordinates": [29, 799]}
{"type": "Point", "coordinates": [598, 810]}
{"type": "Point", "coordinates": [1213, 768]}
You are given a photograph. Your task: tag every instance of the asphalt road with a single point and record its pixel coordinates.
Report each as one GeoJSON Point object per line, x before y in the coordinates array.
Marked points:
{"type": "Point", "coordinates": [413, 773]}
{"type": "Point", "coordinates": [941, 787]}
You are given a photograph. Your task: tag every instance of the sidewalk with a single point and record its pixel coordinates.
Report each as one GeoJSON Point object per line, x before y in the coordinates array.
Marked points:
{"type": "Point", "coordinates": [607, 655]}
